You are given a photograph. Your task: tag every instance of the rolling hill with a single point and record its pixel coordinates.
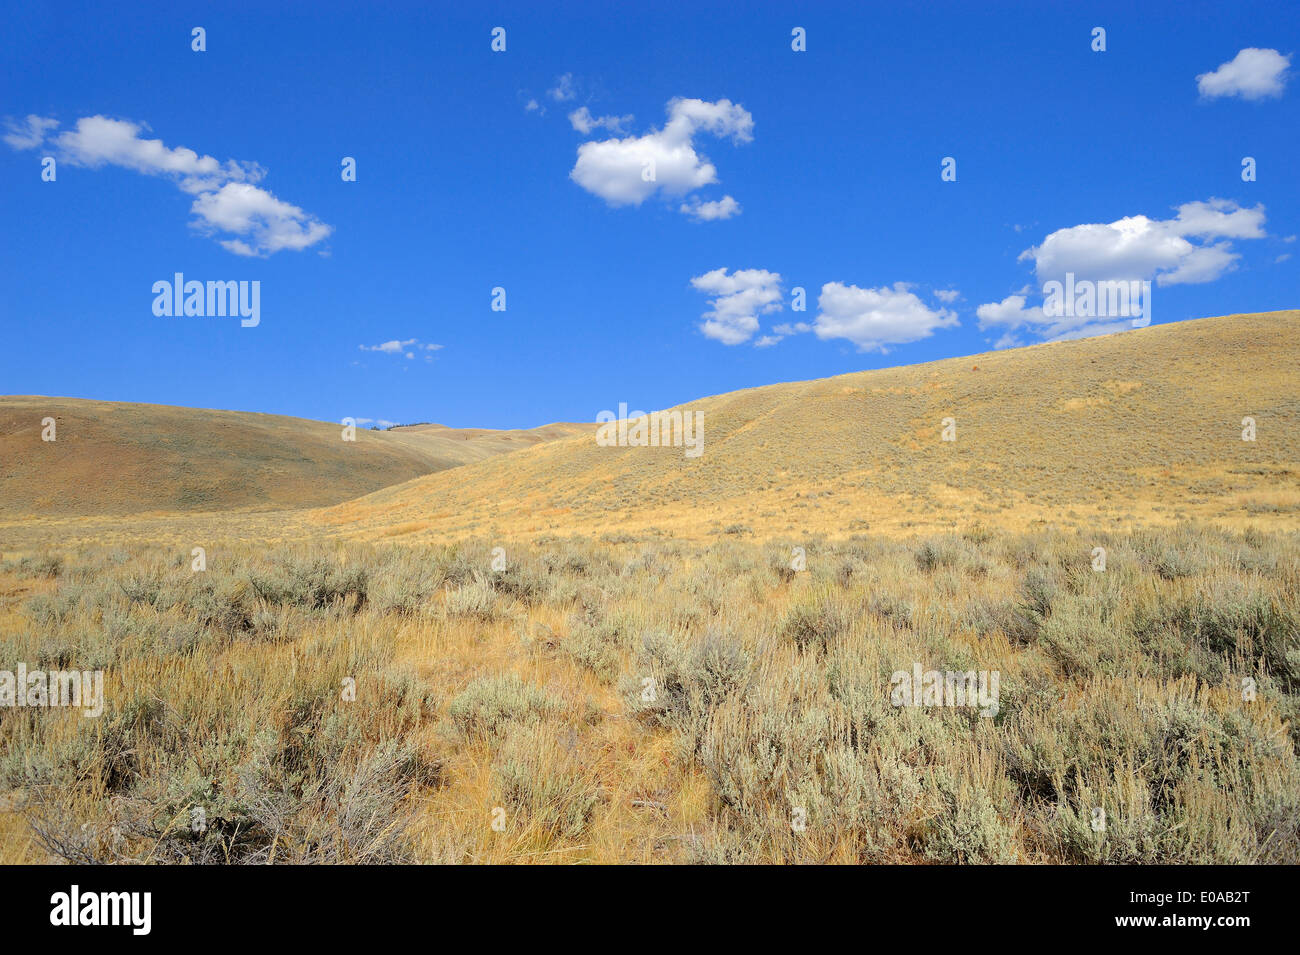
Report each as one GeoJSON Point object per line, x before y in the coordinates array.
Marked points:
{"type": "Point", "coordinates": [1139, 427]}
{"type": "Point", "coordinates": [115, 458]}
{"type": "Point", "coordinates": [464, 445]}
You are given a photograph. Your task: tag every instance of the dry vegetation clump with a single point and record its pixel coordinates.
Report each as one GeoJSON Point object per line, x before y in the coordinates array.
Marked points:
{"type": "Point", "coordinates": [541, 780]}
{"type": "Point", "coordinates": [490, 704]}
{"type": "Point", "coordinates": [635, 700]}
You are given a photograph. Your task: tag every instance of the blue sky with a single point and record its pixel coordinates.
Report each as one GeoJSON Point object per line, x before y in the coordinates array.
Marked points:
{"type": "Point", "coordinates": [831, 158]}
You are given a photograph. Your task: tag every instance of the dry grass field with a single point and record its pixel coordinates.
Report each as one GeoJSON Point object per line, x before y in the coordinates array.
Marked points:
{"type": "Point", "coordinates": [116, 458]}
{"type": "Point", "coordinates": [465, 445]}
{"type": "Point", "coordinates": [569, 653]}
{"type": "Point", "coordinates": [1117, 431]}
{"type": "Point", "coordinates": [643, 701]}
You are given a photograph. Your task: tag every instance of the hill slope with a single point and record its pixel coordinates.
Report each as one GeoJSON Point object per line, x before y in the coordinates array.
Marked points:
{"type": "Point", "coordinates": [474, 444]}
{"type": "Point", "coordinates": [1143, 426]}
{"type": "Point", "coordinates": [119, 458]}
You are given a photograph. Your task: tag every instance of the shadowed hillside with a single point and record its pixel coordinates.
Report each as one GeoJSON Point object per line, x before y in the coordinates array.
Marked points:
{"type": "Point", "coordinates": [118, 458]}
{"type": "Point", "coordinates": [1143, 426]}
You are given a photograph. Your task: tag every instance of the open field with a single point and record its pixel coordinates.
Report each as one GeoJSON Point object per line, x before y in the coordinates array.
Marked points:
{"type": "Point", "coordinates": [647, 701]}
{"type": "Point", "coordinates": [574, 653]}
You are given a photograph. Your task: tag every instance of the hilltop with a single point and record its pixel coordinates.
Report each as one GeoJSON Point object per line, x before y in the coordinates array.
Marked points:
{"type": "Point", "coordinates": [1139, 427]}
{"type": "Point", "coordinates": [116, 458]}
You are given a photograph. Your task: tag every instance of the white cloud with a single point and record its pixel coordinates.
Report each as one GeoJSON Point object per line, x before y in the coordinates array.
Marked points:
{"type": "Point", "coordinates": [226, 199]}
{"type": "Point", "coordinates": [767, 341]}
{"type": "Point", "coordinates": [723, 208]}
{"type": "Point", "coordinates": [563, 90]}
{"type": "Point", "coordinates": [582, 120]}
{"type": "Point", "coordinates": [98, 141]}
{"type": "Point", "coordinates": [738, 300]}
{"type": "Point", "coordinates": [629, 171]}
{"type": "Point", "coordinates": [875, 318]}
{"type": "Point", "coordinates": [532, 106]}
{"type": "Point", "coordinates": [28, 133]}
{"type": "Point", "coordinates": [1195, 246]}
{"type": "Point", "coordinates": [390, 348]}
{"type": "Point", "coordinates": [1010, 311]}
{"type": "Point", "coordinates": [269, 224]}
{"type": "Point", "coordinates": [1139, 248]}
{"type": "Point", "coordinates": [785, 328]}
{"type": "Point", "coordinates": [1013, 314]}
{"type": "Point", "coordinates": [1251, 74]}
{"type": "Point", "coordinates": [408, 347]}
{"type": "Point", "coordinates": [947, 296]}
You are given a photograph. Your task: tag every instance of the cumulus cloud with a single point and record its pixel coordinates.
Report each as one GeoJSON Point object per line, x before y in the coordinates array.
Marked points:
{"type": "Point", "coordinates": [1010, 311]}
{"type": "Point", "coordinates": [1191, 248]}
{"type": "Point", "coordinates": [97, 141]}
{"type": "Point", "coordinates": [738, 300]}
{"type": "Point", "coordinates": [582, 120]}
{"type": "Point", "coordinates": [226, 199]}
{"type": "Point", "coordinates": [267, 224]}
{"type": "Point", "coordinates": [1013, 315]}
{"type": "Point", "coordinates": [408, 347]}
{"type": "Point", "coordinates": [875, 318]}
{"type": "Point", "coordinates": [1251, 74]}
{"type": "Point", "coordinates": [630, 170]}
{"type": "Point", "coordinates": [28, 133]}
{"type": "Point", "coordinates": [723, 208]}
{"type": "Point", "coordinates": [947, 296]}
{"type": "Point", "coordinates": [1195, 246]}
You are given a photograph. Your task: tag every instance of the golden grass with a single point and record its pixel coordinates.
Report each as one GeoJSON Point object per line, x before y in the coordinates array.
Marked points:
{"type": "Point", "coordinates": [773, 694]}
{"type": "Point", "coordinates": [117, 458]}
{"type": "Point", "coordinates": [1121, 690]}
{"type": "Point", "coordinates": [1115, 432]}
{"type": "Point", "coordinates": [1152, 436]}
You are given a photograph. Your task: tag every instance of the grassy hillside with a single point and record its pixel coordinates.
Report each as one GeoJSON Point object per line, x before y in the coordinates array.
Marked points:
{"type": "Point", "coordinates": [474, 444]}
{"type": "Point", "coordinates": [529, 649]}
{"type": "Point", "coordinates": [113, 458]}
{"type": "Point", "coordinates": [1140, 427]}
